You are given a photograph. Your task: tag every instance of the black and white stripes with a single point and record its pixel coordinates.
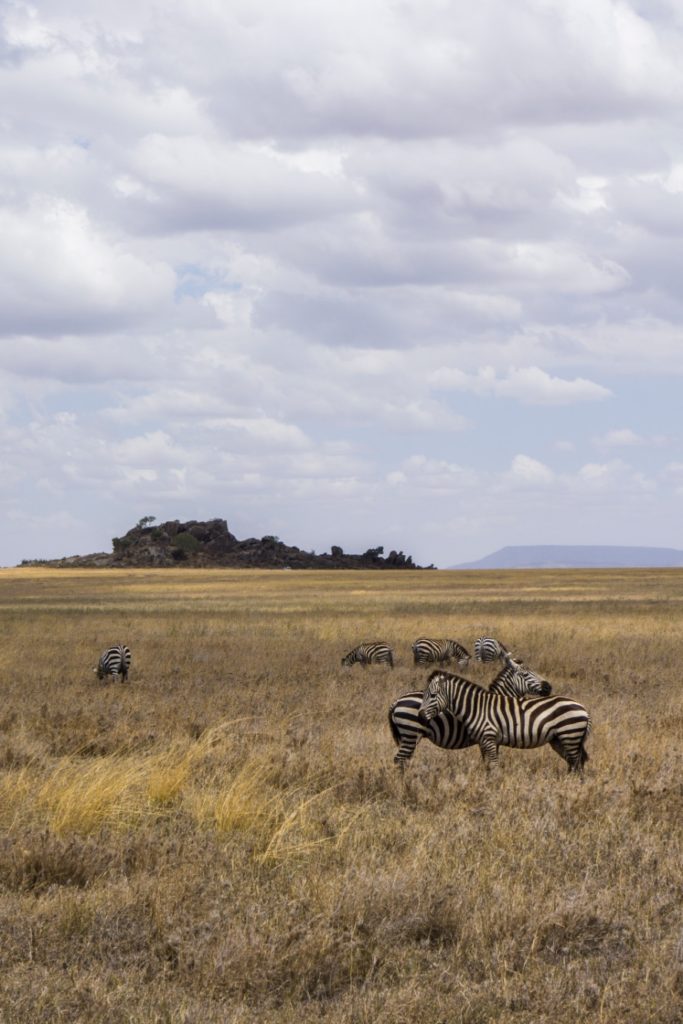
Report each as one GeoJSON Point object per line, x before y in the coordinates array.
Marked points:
{"type": "Point", "coordinates": [445, 730]}
{"type": "Point", "coordinates": [440, 651]}
{"type": "Point", "coordinates": [115, 661]}
{"type": "Point", "coordinates": [370, 654]}
{"type": "Point", "coordinates": [495, 719]}
{"type": "Point", "coordinates": [486, 648]}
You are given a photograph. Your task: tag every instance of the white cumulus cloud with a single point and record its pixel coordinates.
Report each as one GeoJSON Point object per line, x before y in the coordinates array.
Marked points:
{"type": "Point", "coordinates": [530, 385]}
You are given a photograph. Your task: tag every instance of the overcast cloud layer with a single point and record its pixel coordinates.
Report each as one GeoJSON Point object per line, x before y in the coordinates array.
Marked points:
{"type": "Point", "coordinates": [401, 273]}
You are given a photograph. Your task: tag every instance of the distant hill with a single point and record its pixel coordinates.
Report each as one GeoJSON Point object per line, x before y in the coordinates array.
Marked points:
{"type": "Point", "coordinates": [577, 556]}
{"type": "Point", "coordinates": [207, 544]}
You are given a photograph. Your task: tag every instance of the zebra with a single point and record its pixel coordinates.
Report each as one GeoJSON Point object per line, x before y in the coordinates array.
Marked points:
{"type": "Point", "coordinates": [115, 661]}
{"type": "Point", "coordinates": [446, 730]}
{"type": "Point", "coordinates": [488, 649]}
{"type": "Point", "coordinates": [425, 650]}
{"type": "Point", "coordinates": [370, 654]}
{"type": "Point", "coordinates": [495, 719]}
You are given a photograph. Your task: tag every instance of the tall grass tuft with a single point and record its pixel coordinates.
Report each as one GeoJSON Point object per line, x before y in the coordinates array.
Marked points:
{"type": "Point", "coordinates": [83, 796]}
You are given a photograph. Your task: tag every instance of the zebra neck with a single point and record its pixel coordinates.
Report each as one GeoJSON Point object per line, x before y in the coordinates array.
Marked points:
{"type": "Point", "coordinates": [461, 692]}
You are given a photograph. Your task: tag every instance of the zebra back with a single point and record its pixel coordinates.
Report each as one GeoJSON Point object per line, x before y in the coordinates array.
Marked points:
{"type": "Point", "coordinates": [114, 661]}
{"type": "Point", "coordinates": [487, 648]}
{"type": "Point", "coordinates": [426, 650]}
{"type": "Point", "coordinates": [373, 653]}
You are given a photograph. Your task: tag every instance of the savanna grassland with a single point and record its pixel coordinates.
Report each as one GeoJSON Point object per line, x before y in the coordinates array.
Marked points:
{"type": "Point", "coordinates": [225, 839]}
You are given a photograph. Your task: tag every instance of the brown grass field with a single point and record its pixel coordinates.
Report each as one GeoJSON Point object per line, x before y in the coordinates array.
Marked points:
{"type": "Point", "coordinates": [225, 838]}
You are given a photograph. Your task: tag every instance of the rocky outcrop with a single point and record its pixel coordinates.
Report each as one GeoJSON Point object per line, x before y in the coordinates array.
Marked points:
{"type": "Point", "coordinates": [206, 544]}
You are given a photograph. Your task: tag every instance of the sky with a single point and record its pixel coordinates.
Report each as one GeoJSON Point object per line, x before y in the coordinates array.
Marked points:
{"type": "Point", "coordinates": [391, 272]}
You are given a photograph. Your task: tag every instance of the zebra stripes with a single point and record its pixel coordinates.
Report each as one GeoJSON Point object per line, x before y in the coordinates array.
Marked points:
{"type": "Point", "coordinates": [496, 719]}
{"type": "Point", "coordinates": [517, 681]}
{"type": "Point", "coordinates": [115, 661]}
{"type": "Point", "coordinates": [426, 650]}
{"type": "Point", "coordinates": [370, 654]}
{"type": "Point", "coordinates": [445, 730]}
{"type": "Point", "coordinates": [488, 649]}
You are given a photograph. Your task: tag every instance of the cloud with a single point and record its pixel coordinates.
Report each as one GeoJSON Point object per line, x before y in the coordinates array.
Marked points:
{"type": "Point", "coordinates": [434, 475]}
{"type": "Point", "coordinates": [262, 432]}
{"type": "Point", "coordinates": [408, 71]}
{"type": "Point", "coordinates": [535, 386]}
{"type": "Point", "coordinates": [59, 273]}
{"type": "Point", "coordinates": [525, 470]}
{"type": "Point", "coordinates": [627, 438]}
{"type": "Point", "coordinates": [182, 183]}
{"type": "Point", "coordinates": [530, 385]}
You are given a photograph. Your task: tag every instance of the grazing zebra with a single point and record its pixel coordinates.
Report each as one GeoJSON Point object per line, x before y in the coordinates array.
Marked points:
{"type": "Point", "coordinates": [425, 650]}
{"type": "Point", "coordinates": [114, 662]}
{"type": "Point", "coordinates": [370, 654]}
{"type": "Point", "coordinates": [446, 730]}
{"type": "Point", "coordinates": [488, 649]}
{"type": "Point", "coordinates": [495, 719]}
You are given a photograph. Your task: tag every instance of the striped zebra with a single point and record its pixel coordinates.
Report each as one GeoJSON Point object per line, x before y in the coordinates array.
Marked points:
{"type": "Point", "coordinates": [441, 651]}
{"type": "Point", "coordinates": [115, 661]}
{"type": "Point", "coordinates": [369, 654]}
{"type": "Point", "coordinates": [488, 649]}
{"type": "Point", "coordinates": [495, 719]}
{"type": "Point", "coordinates": [446, 730]}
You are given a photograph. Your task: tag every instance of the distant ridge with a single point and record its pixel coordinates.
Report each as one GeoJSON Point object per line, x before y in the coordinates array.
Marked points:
{"type": "Point", "coordinates": [577, 556]}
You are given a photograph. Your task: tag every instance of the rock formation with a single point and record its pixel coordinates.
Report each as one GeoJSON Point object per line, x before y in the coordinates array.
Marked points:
{"type": "Point", "coordinates": [206, 544]}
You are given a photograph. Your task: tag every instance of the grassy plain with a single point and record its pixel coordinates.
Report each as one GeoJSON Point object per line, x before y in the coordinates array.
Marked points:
{"type": "Point", "coordinates": [225, 838]}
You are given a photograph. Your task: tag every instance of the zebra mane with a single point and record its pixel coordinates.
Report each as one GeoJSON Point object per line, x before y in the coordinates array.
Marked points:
{"type": "Point", "coordinates": [447, 676]}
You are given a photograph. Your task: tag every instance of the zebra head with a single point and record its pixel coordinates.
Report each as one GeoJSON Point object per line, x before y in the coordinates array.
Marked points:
{"type": "Point", "coordinates": [516, 680]}
{"type": "Point", "coordinates": [458, 652]}
{"type": "Point", "coordinates": [434, 698]}
{"type": "Point", "coordinates": [349, 659]}
{"type": "Point", "coordinates": [524, 683]}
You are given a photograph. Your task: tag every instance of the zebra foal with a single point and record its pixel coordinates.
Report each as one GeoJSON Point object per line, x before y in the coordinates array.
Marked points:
{"type": "Point", "coordinates": [369, 654]}
{"type": "Point", "coordinates": [496, 719]}
{"type": "Point", "coordinates": [115, 661]}
{"type": "Point", "coordinates": [426, 650]}
{"type": "Point", "coordinates": [446, 731]}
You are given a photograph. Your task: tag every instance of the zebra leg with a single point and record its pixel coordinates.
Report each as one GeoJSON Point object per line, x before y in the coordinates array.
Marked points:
{"type": "Point", "coordinates": [488, 746]}
{"type": "Point", "coordinates": [574, 757]}
{"type": "Point", "coordinates": [559, 749]}
{"type": "Point", "coordinates": [579, 759]}
{"type": "Point", "coordinates": [406, 749]}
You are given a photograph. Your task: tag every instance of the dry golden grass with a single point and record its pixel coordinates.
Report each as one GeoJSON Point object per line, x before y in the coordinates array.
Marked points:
{"type": "Point", "coordinates": [225, 838]}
